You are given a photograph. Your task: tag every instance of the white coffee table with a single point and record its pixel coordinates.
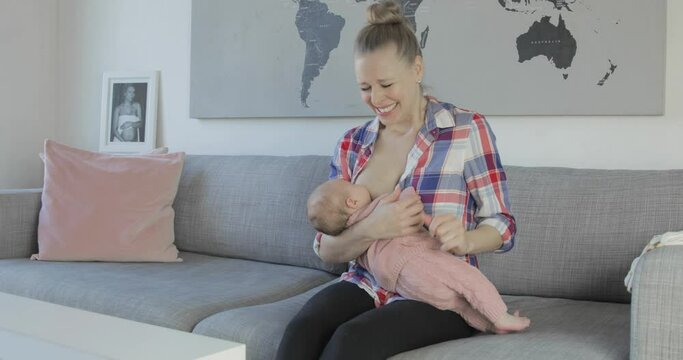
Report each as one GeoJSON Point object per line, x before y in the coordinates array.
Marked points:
{"type": "Point", "coordinates": [32, 329]}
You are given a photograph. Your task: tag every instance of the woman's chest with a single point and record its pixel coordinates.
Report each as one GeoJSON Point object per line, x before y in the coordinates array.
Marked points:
{"type": "Point", "coordinates": [128, 109]}
{"type": "Point", "coordinates": [383, 169]}
{"type": "Point", "coordinates": [437, 172]}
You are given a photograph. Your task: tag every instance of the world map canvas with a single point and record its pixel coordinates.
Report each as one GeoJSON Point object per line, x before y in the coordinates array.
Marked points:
{"type": "Point", "coordinates": [294, 58]}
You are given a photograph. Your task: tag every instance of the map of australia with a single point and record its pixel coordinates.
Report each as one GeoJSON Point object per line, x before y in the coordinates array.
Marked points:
{"type": "Point", "coordinates": [555, 42]}
{"type": "Point", "coordinates": [545, 39]}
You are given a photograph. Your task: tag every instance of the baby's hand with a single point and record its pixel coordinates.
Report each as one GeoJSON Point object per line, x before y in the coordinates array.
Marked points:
{"type": "Point", "coordinates": [450, 231]}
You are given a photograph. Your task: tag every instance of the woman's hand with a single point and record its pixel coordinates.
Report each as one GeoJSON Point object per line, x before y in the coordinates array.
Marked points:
{"type": "Point", "coordinates": [394, 217]}
{"type": "Point", "coordinates": [450, 231]}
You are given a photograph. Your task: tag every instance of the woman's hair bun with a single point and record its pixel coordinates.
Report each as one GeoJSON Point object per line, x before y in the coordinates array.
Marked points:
{"type": "Point", "coordinates": [385, 12]}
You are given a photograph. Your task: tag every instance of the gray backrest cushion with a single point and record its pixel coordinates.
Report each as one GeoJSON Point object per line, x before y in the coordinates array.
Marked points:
{"type": "Point", "coordinates": [251, 207]}
{"type": "Point", "coordinates": [579, 229]}
{"type": "Point", "coordinates": [19, 222]}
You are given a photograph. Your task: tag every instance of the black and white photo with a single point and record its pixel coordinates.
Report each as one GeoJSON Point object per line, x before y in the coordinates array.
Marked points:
{"type": "Point", "coordinates": [128, 123]}
{"type": "Point", "coordinates": [128, 117]}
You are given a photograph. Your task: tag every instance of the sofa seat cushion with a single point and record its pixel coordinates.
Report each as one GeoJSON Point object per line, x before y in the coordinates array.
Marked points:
{"type": "Point", "coordinates": [260, 327]}
{"type": "Point", "coordinates": [174, 295]}
{"type": "Point", "coordinates": [561, 329]}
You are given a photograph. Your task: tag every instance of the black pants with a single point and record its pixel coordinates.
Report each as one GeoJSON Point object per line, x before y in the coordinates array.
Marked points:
{"type": "Point", "coordinates": [341, 322]}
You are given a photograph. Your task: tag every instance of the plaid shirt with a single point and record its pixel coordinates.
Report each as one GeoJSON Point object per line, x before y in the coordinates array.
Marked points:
{"type": "Point", "coordinates": [455, 168]}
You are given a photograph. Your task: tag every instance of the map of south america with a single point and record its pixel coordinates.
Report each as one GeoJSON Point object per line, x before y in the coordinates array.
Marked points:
{"type": "Point", "coordinates": [321, 30]}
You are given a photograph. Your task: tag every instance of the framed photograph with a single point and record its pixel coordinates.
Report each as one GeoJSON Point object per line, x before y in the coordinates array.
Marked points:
{"type": "Point", "coordinates": [129, 111]}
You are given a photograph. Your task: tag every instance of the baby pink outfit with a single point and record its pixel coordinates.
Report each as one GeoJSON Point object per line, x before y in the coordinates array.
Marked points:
{"type": "Point", "coordinates": [415, 267]}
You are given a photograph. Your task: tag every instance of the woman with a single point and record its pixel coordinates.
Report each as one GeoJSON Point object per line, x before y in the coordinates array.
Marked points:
{"type": "Point", "coordinates": [127, 117]}
{"type": "Point", "coordinates": [448, 155]}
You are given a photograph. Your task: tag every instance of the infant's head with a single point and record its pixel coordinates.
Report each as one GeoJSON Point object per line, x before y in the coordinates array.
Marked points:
{"type": "Point", "coordinates": [332, 203]}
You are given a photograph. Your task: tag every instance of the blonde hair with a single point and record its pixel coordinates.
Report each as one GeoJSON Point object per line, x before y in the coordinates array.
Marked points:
{"type": "Point", "coordinates": [386, 25]}
{"type": "Point", "coordinates": [326, 211]}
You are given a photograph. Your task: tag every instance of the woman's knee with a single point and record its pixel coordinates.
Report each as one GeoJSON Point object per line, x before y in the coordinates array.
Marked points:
{"type": "Point", "coordinates": [351, 340]}
{"type": "Point", "coordinates": [351, 332]}
{"type": "Point", "coordinates": [304, 338]}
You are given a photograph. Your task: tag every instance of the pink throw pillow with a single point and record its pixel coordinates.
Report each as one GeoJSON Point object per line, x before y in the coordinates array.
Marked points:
{"type": "Point", "coordinates": [102, 207]}
{"type": "Point", "coordinates": [160, 150]}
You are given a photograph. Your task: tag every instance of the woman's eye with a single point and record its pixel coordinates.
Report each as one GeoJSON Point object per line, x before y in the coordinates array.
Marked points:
{"type": "Point", "coordinates": [386, 86]}
{"type": "Point", "coordinates": [364, 89]}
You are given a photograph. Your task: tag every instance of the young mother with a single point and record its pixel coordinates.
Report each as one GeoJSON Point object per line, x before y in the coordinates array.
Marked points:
{"type": "Point", "coordinates": [448, 155]}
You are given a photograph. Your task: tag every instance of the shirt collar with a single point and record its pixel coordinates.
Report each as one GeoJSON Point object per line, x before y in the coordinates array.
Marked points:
{"type": "Point", "coordinates": [373, 130]}
{"type": "Point", "coordinates": [438, 115]}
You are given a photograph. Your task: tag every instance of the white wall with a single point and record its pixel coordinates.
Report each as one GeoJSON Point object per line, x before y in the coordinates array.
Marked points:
{"type": "Point", "coordinates": [28, 43]}
{"type": "Point", "coordinates": [96, 36]}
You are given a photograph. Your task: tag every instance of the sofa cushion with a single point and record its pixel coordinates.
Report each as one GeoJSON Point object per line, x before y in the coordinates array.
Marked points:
{"type": "Point", "coordinates": [579, 229]}
{"type": "Point", "coordinates": [560, 329]}
{"type": "Point", "coordinates": [19, 222]}
{"type": "Point", "coordinates": [174, 295]}
{"type": "Point", "coordinates": [260, 327]}
{"type": "Point", "coordinates": [250, 207]}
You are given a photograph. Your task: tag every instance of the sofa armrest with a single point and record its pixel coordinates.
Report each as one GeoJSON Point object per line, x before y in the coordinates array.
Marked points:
{"type": "Point", "coordinates": [657, 305]}
{"type": "Point", "coordinates": [19, 222]}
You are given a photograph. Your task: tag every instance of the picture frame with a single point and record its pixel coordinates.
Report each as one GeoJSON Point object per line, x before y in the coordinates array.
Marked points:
{"type": "Point", "coordinates": [128, 118]}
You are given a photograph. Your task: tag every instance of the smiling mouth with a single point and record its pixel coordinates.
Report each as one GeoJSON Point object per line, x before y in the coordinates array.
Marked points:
{"type": "Point", "coordinates": [384, 110]}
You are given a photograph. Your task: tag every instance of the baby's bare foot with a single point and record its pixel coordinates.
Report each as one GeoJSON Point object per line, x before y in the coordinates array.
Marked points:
{"type": "Point", "coordinates": [511, 323]}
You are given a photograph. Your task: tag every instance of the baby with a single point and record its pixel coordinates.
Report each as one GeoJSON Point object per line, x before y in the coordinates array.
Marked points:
{"type": "Point", "coordinates": [414, 266]}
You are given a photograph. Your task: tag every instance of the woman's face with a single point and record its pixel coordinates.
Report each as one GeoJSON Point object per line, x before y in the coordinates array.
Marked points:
{"type": "Point", "coordinates": [130, 93]}
{"type": "Point", "coordinates": [388, 85]}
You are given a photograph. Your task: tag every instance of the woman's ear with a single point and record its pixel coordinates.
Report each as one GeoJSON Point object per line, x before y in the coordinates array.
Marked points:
{"type": "Point", "coordinates": [352, 203]}
{"type": "Point", "coordinates": [419, 67]}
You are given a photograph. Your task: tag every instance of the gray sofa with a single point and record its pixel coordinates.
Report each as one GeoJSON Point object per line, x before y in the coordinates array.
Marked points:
{"type": "Point", "coordinates": [249, 264]}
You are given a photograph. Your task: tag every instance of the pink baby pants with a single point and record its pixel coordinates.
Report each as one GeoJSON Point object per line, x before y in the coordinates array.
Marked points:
{"type": "Point", "coordinates": [448, 283]}
{"type": "Point", "coordinates": [416, 268]}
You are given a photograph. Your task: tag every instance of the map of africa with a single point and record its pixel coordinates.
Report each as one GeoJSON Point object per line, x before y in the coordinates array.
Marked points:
{"type": "Point", "coordinates": [498, 56]}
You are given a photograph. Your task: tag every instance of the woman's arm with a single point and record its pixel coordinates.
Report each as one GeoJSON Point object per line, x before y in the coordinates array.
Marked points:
{"type": "Point", "coordinates": [486, 184]}
{"type": "Point", "coordinates": [115, 121]}
{"type": "Point", "coordinates": [483, 239]}
{"type": "Point", "coordinates": [454, 239]}
{"type": "Point", "coordinates": [391, 218]}
{"type": "Point", "coordinates": [138, 110]}
{"type": "Point", "coordinates": [348, 245]}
